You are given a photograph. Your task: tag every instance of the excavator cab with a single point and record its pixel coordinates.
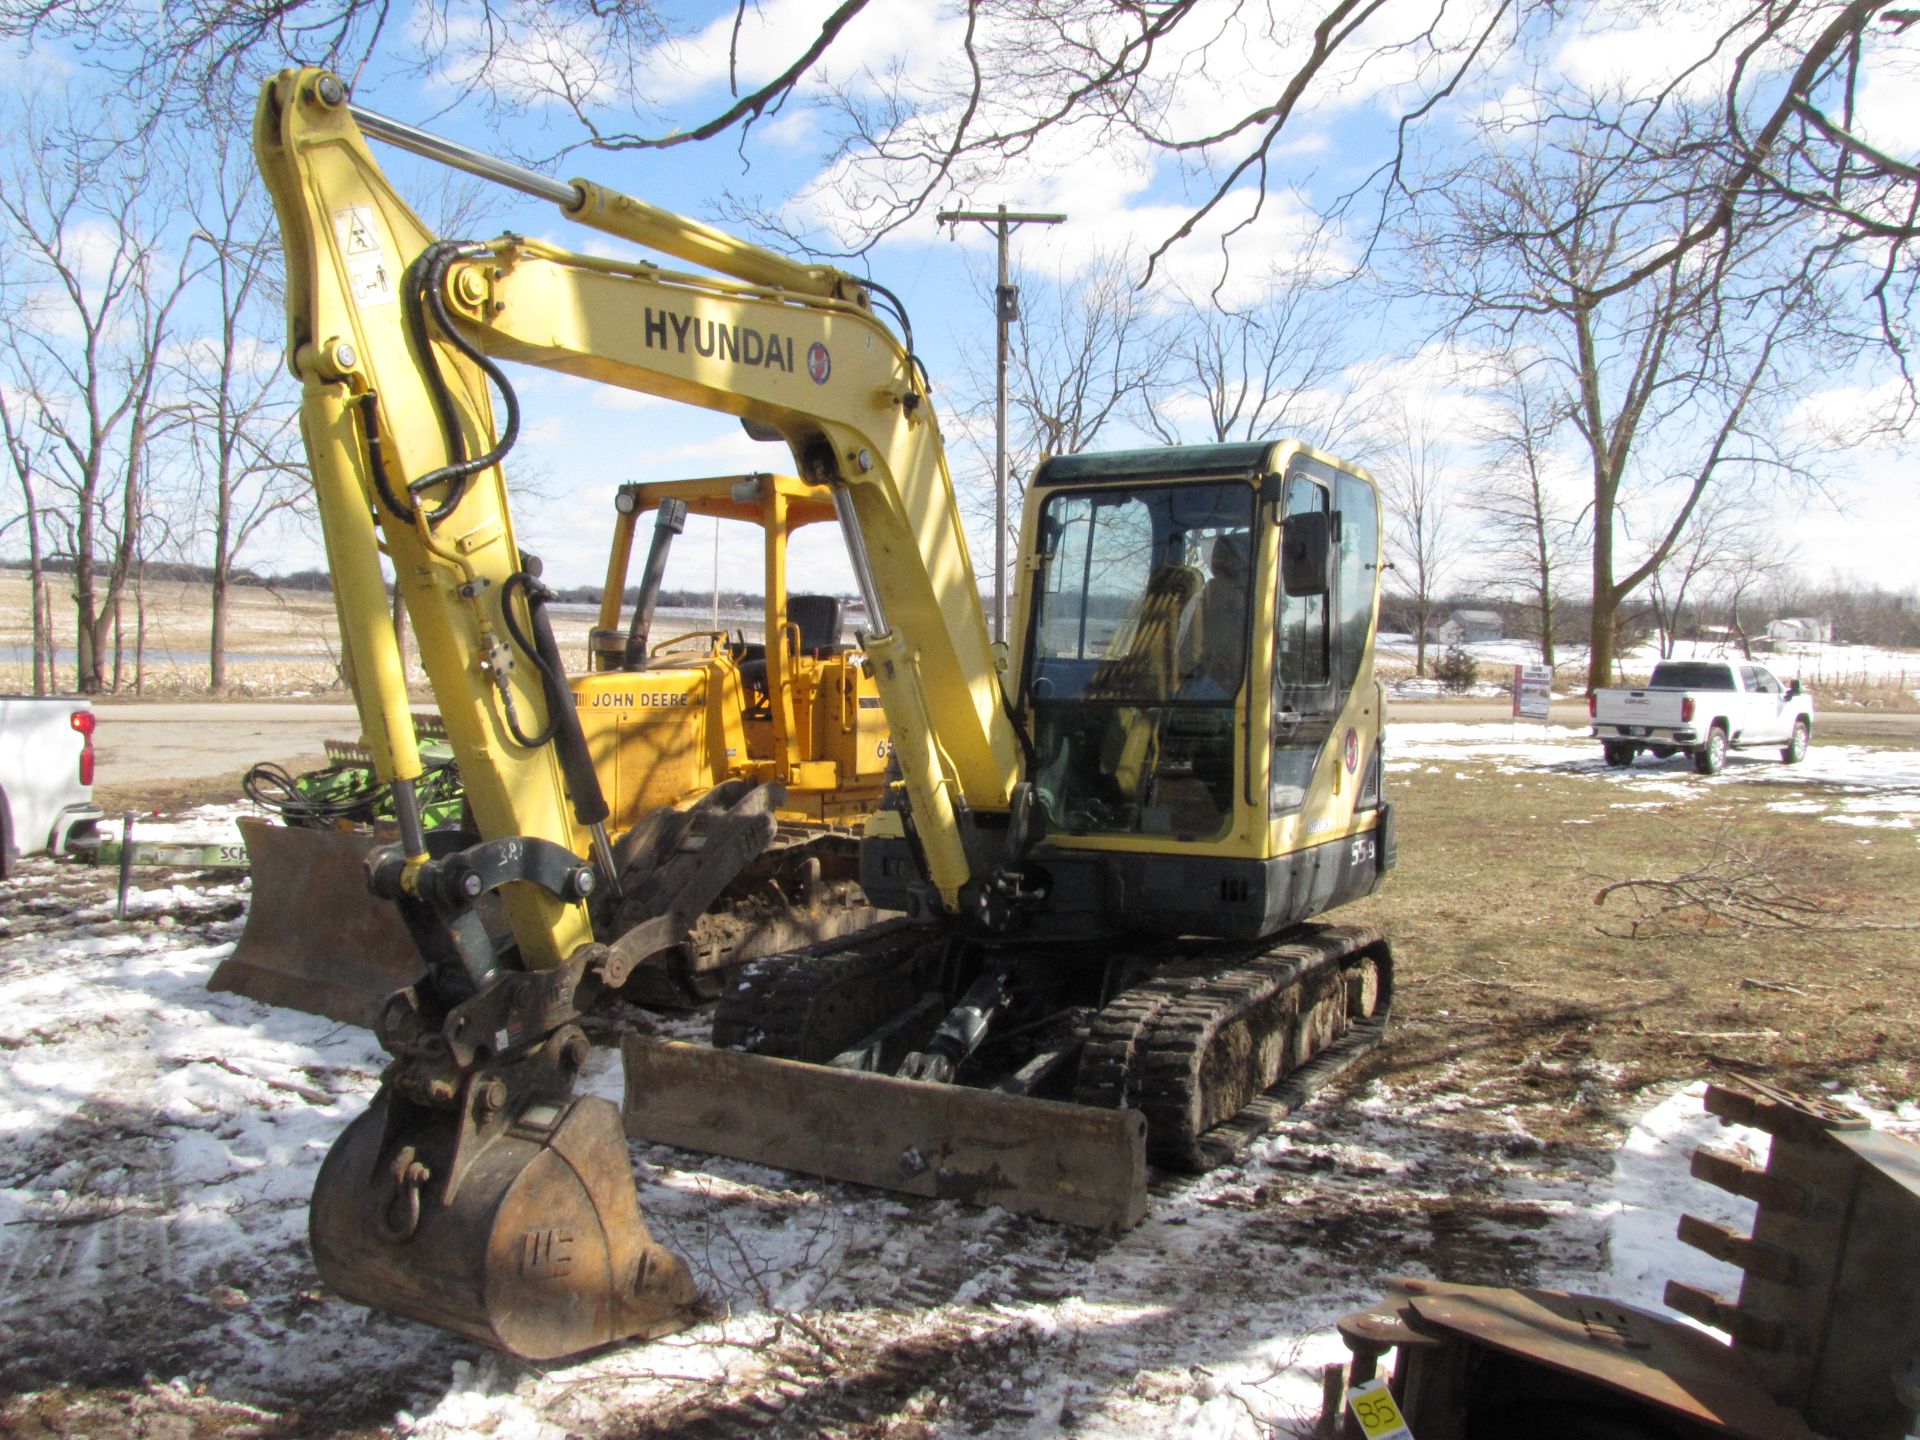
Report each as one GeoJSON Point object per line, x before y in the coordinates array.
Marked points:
{"type": "Point", "coordinates": [1194, 670]}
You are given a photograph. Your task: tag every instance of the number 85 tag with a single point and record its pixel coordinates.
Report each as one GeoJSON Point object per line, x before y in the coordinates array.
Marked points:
{"type": "Point", "coordinates": [1374, 1408]}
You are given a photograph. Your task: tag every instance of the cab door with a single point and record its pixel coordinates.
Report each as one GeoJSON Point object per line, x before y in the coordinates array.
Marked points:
{"type": "Point", "coordinates": [1766, 702]}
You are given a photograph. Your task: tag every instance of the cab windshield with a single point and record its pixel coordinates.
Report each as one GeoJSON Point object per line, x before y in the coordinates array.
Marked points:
{"type": "Point", "coordinates": [1138, 648]}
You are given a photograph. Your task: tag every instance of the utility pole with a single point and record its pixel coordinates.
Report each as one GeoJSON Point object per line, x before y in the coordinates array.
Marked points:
{"type": "Point", "coordinates": [1006, 309]}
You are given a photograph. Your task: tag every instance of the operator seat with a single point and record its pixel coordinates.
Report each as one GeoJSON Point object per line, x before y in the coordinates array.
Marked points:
{"type": "Point", "coordinates": [1221, 630]}
{"type": "Point", "coordinates": [818, 619]}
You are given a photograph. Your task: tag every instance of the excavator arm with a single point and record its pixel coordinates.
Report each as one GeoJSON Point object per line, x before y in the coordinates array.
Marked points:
{"type": "Point", "coordinates": [394, 339]}
{"type": "Point", "coordinates": [478, 1192]}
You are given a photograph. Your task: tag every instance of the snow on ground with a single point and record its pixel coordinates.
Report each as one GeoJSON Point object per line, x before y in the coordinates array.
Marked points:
{"type": "Point", "coordinates": [202, 825]}
{"type": "Point", "coordinates": [1865, 785]}
{"type": "Point", "coordinates": [160, 1143]}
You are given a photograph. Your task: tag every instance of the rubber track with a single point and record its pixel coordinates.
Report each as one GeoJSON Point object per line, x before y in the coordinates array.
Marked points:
{"type": "Point", "coordinates": [1156, 1038]}
{"type": "Point", "coordinates": [772, 1006]}
{"type": "Point", "coordinates": [1110, 1060]}
{"type": "Point", "coordinates": [1231, 1136]}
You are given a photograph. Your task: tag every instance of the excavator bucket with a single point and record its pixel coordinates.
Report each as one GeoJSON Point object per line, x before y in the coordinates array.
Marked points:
{"type": "Point", "coordinates": [517, 1226]}
{"type": "Point", "coordinates": [1071, 1163]}
{"type": "Point", "coordinates": [315, 939]}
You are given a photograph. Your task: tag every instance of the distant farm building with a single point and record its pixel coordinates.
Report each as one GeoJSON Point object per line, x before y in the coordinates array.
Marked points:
{"type": "Point", "coordinates": [1469, 627]}
{"type": "Point", "coordinates": [1802, 628]}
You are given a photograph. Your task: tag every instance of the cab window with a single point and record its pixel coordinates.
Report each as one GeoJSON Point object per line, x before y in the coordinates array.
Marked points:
{"type": "Point", "coordinates": [1139, 648]}
{"type": "Point", "coordinates": [1300, 641]}
{"type": "Point", "coordinates": [1358, 524]}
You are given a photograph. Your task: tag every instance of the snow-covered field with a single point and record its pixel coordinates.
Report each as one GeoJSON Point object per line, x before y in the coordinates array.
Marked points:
{"type": "Point", "coordinates": [1862, 785]}
{"type": "Point", "coordinates": [1813, 663]}
{"type": "Point", "coordinates": [160, 1143]}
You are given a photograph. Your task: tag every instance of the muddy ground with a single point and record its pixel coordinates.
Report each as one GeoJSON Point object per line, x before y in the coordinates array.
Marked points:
{"type": "Point", "coordinates": [1532, 1027]}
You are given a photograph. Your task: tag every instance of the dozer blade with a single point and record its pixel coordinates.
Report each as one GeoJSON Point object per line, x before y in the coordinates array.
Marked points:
{"type": "Point", "coordinates": [1071, 1163]}
{"type": "Point", "coordinates": [316, 939]}
{"type": "Point", "coordinates": [524, 1234]}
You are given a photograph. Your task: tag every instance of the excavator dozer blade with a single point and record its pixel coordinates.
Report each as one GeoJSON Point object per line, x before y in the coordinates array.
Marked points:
{"type": "Point", "coordinates": [1070, 1163]}
{"type": "Point", "coordinates": [316, 939]}
{"type": "Point", "coordinates": [531, 1241]}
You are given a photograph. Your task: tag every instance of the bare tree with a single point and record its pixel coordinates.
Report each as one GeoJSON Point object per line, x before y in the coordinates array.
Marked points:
{"type": "Point", "coordinates": [1729, 544]}
{"type": "Point", "coordinates": [243, 416]}
{"type": "Point", "coordinates": [84, 212]}
{"type": "Point", "coordinates": [1419, 509]}
{"type": "Point", "coordinates": [1009, 78]}
{"type": "Point", "coordinates": [1760, 569]}
{"type": "Point", "coordinates": [1522, 521]}
{"type": "Point", "coordinates": [23, 461]}
{"type": "Point", "coordinates": [1275, 365]}
{"type": "Point", "coordinates": [1086, 353]}
{"type": "Point", "coordinates": [1671, 385]}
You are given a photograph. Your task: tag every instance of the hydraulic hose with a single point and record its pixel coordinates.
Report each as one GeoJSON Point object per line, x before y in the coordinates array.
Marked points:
{"type": "Point", "coordinates": [563, 717]}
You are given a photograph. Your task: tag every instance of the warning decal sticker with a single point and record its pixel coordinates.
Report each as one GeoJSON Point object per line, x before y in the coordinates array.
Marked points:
{"type": "Point", "coordinates": [370, 275]}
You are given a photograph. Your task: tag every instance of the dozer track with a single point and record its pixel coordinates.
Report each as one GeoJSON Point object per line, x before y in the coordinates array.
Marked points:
{"type": "Point", "coordinates": [812, 1004]}
{"type": "Point", "coordinates": [1210, 1045]}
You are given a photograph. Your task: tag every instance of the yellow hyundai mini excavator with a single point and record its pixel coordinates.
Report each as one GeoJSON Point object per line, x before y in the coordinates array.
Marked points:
{"type": "Point", "coordinates": [1107, 846]}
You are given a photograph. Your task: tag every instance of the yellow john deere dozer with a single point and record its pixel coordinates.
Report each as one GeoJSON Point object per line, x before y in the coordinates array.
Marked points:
{"type": "Point", "coordinates": [778, 746]}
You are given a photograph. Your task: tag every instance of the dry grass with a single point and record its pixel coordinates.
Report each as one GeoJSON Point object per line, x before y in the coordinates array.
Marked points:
{"type": "Point", "coordinates": [278, 642]}
{"type": "Point", "coordinates": [1509, 983]}
{"type": "Point", "coordinates": [1899, 693]}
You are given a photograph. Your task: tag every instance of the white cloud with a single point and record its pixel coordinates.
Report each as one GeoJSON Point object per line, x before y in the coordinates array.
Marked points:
{"type": "Point", "coordinates": [610, 397]}
{"type": "Point", "coordinates": [1856, 415]}
{"type": "Point", "coordinates": [1644, 50]}
{"type": "Point", "coordinates": [540, 58]}
{"type": "Point", "coordinates": [1889, 94]}
{"type": "Point", "coordinates": [775, 34]}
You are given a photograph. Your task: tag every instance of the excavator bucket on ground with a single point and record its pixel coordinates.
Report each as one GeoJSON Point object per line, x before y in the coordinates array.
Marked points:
{"type": "Point", "coordinates": [505, 1211]}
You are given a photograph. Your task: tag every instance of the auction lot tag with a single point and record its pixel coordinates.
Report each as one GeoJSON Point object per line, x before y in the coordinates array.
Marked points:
{"type": "Point", "coordinates": [1379, 1417]}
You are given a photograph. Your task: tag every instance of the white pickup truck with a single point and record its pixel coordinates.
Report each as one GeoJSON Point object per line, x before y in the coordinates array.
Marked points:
{"type": "Point", "coordinates": [46, 776]}
{"type": "Point", "coordinates": [1704, 708]}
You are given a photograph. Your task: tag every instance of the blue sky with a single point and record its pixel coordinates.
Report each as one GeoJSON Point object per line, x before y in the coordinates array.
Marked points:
{"type": "Point", "coordinates": [583, 440]}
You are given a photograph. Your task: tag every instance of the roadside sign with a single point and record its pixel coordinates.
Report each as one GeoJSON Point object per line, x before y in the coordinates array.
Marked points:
{"type": "Point", "coordinates": [1532, 692]}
